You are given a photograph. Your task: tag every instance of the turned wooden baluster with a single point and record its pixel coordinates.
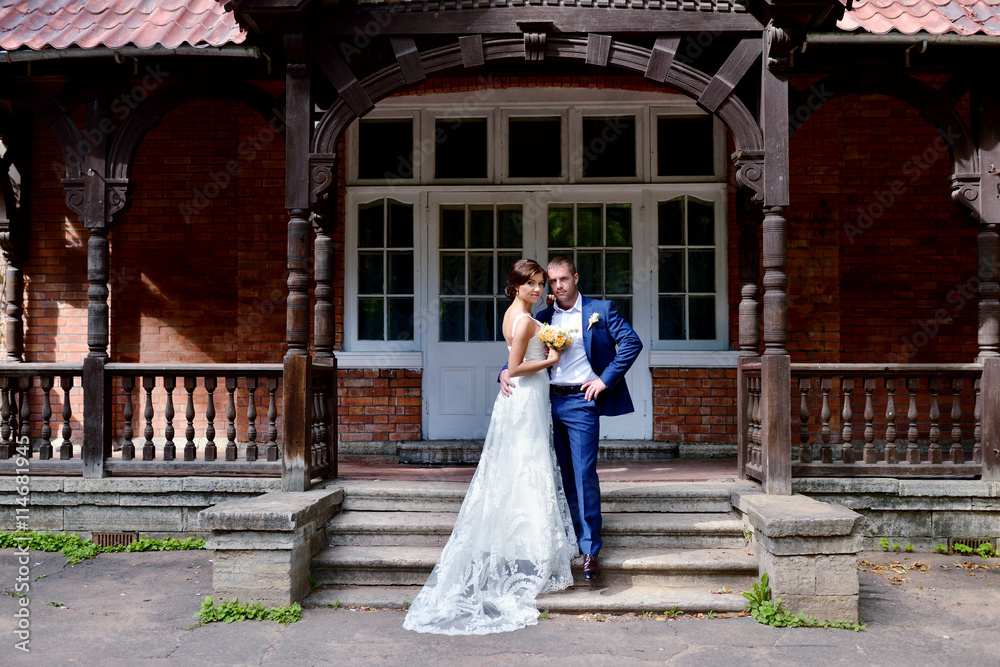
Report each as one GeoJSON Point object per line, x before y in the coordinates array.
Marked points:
{"type": "Point", "coordinates": [66, 449]}
{"type": "Point", "coordinates": [317, 436]}
{"type": "Point", "coordinates": [231, 419]}
{"type": "Point", "coordinates": [758, 428]}
{"type": "Point", "coordinates": [847, 432]}
{"type": "Point", "coordinates": [251, 453]}
{"type": "Point", "coordinates": [977, 434]}
{"type": "Point", "coordinates": [45, 451]}
{"type": "Point", "coordinates": [870, 455]}
{"type": "Point", "coordinates": [805, 450]}
{"type": "Point", "coordinates": [190, 453]}
{"type": "Point", "coordinates": [211, 451]}
{"type": "Point", "coordinates": [128, 447]}
{"type": "Point", "coordinates": [25, 399]}
{"type": "Point", "coordinates": [148, 448]}
{"type": "Point", "coordinates": [934, 450]}
{"type": "Point", "coordinates": [891, 454]}
{"type": "Point", "coordinates": [169, 449]}
{"type": "Point", "coordinates": [6, 444]}
{"type": "Point", "coordinates": [912, 450]}
{"type": "Point", "coordinates": [14, 411]}
{"type": "Point", "coordinates": [750, 429]}
{"type": "Point", "coordinates": [957, 453]}
{"type": "Point", "coordinates": [271, 453]}
{"type": "Point", "coordinates": [825, 451]}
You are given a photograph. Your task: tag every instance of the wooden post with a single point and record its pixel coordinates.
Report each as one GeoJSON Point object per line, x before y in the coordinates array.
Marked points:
{"type": "Point", "coordinates": [743, 443]}
{"type": "Point", "coordinates": [776, 377]}
{"type": "Point", "coordinates": [96, 419]}
{"type": "Point", "coordinates": [324, 315]}
{"type": "Point", "coordinates": [14, 315]}
{"type": "Point", "coordinates": [295, 474]}
{"type": "Point", "coordinates": [991, 418]}
{"type": "Point", "coordinates": [988, 244]}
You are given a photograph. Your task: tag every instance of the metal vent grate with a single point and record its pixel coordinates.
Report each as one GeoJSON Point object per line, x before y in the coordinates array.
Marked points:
{"type": "Point", "coordinates": [114, 539]}
{"type": "Point", "coordinates": [972, 542]}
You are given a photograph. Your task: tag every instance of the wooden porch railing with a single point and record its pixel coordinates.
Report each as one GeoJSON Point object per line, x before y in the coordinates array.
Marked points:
{"type": "Point", "coordinates": [215, 419]}
{"type": "Point", "coordinates": [879, 420]}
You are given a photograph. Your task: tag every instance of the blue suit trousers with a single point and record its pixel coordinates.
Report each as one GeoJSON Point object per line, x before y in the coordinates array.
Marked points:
{"type": "Point", "coordinates": [575, 431]}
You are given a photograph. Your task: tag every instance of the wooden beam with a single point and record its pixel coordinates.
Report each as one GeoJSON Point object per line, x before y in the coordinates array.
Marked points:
{"type": "Point", "coordinates": [501, 20]}
{"type": "Point", "coordinates": [730, 74]}
{"type": "Point", "coordinates": [661, 58]}
{"type": "Point", "coordinates": [342, 78]}
{"type": "Point", "coordinates": [774, 116]}
{"type": "Point", "coordinates": [408, 58]}
{"type": "Point", "coordinates": [989, 154]}
{"type": "Point", "coordinates": [598, 49]}
{"type": "Point", "coordinates": [472, 51]}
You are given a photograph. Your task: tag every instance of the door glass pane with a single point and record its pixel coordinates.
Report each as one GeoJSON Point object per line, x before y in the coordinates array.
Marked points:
{"type": "Point", "coordinates": [702, 317]}
{"type": "Point", "coordinates": [400, 272]}
{"type": "Point", "coordinates": [619, 272]}
{"type": "Point", "coordinates": [400, 225]}
{"type": "Point", "coordinates": [511, 224]}
{"type": "Point", "coordinates": [588, 226]}
{"type": "Point", "coordinates": [589, 266]}
{"type": "Point", "coordinates": [701, 270]}
{"type": "Point", "coordinates": [561, 227]}
{"type": "Point", "coordinates": [481, 327]}
{"type": "Point", "coordinates": [452, 273]}
{"type": "Point", "coordinates": [609, 147]}
{"type": "Point", "coordinates": [385, 149]}
{"type": "Point", "coordinates": [370, 325]}
{"type": "Point", "coordinates": [453, 320]}
{"type": "Point", "coordinates": [461, 148]}
{"type": "Point", "coordinates": [534, 148]}
{"type": "Point", "coordinates": [401, 318]}
{"type": "Point", "coordinates": [684, 146]}
{"type": "Point", "coordinates": [481, 227]}
{"type": "Point", "coordinates": [370, 273]}
{"type": "Point", "coordinates": [671, 222]}
{"type": "Point", "coordinates": [505, 260]}
{"type": "Point", "coordinates": [370, 224]}
{"type": "Point", "coordinates": [672, 318]}
{"type": "Point", "coordinates": [481, 273]}
{"type": "Point", "coordinates": [453, 228]}
{"type": "Point", "coordinates": [671, 270]}
{"type": "Point", "coordinates": [623, 305]}
{"type": "Point", "coordinates": [619, 225]}
{"type": "Point", "coordinates": [701, 222]}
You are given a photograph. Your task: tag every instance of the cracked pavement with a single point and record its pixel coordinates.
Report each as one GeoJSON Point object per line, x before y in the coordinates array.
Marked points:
{"type": "Point", "coordinates": [138, 608]}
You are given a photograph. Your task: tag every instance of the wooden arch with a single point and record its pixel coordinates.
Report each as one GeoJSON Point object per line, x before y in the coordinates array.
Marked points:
{"type": "Point", "coordinates": [495, 50]}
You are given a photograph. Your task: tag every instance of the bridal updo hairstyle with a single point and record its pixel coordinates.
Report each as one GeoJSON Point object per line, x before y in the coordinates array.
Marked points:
{"type": "Point", "coordinates": [521, 273]}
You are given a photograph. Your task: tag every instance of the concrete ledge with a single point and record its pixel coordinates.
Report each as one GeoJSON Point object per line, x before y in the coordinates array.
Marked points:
{"type": "Point", "coordinates": [263, 545]}
{"type": "Point", "coordinates": [808, 549]}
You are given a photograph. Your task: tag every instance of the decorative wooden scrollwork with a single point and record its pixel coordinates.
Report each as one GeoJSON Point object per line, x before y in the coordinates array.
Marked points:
{"type": "Point", "coordinates": [777, 43]}
{"type": "Point", "coordinates": [116, 198]}
{"type": "Point", "coordinates": [750, 172]}
{"type": "Point", "coordinates": [965, 192]}
{"type": "Point", "coordinates": [74, 194]}
{"type": "Point", "coordinates": [322, 176]}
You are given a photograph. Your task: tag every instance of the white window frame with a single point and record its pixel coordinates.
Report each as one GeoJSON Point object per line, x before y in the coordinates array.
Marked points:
{"type": "Point", "coordinates": [720, 164]}
{"type": "Point", "coordinates": [352, 146]}
{"type": "Point", "coordinates": [538, 113]}
{"type": "Point", "coordinates": [428, 122]}
{"type": "Point", "coordinates": [578, 113]}
{"type": "Point", "coordinates": [354, 198]}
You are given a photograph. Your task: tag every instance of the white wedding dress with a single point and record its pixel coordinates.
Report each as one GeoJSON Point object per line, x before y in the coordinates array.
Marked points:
{"type": "Point", "coordinates": [514, 537]}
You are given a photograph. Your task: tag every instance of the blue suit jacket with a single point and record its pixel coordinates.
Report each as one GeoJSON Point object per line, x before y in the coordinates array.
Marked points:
{"type": "Point", "coordinates": [612, 347]}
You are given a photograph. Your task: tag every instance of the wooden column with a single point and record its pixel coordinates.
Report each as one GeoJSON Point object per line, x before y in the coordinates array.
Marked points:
{"type": "Point", "coordinates": [323, 272]}
{"type": "Point", "coordinates": [988, 244]}
{"type": "Point", "coordinates": [297, 430]}
{"type": "Point", "coordinates": [749, 271]}
{"type": "Point", "coordinates": [14, 313]}
{"type": "Point", "coordinates": [990, 387]}
{"type": "Point", "coordinates": [775, 364]}
{"type": "Point", "coordinates": [989, 254]}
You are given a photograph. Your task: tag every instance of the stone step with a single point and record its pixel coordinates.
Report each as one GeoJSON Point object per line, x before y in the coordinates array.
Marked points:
{"type": "Point", "coordinates": [694, 530]}
{"type": "Point", "coordinates": [394, 496]}
{"type": "Point", "coordinates": [577, 600]}
{"type": "Point", "coordinates": [735, 569]}
{"type": "Point", "coordinates": [450, 452]}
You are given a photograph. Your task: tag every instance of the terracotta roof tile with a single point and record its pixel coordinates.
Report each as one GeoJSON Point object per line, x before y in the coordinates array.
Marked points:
{"type": "Point", "coordinates": [936, 17]}
{"type": "Point", "coordinates": [59, 24]}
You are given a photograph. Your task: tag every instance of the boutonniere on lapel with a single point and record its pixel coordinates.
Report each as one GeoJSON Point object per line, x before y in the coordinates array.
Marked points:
{"type": "Point", "coordinates": [594, 319]}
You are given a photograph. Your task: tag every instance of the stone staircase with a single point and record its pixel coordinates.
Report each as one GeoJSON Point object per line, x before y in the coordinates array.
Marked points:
{"type": "Point", "coordinates": [666, 545]}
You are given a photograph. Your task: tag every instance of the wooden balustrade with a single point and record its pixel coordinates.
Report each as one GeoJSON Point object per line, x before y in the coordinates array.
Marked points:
{"type": "Point", "coordinates": [753, 457]}
{"type": "Point", "coordinates": [887, 448]}
{"type": "Point", "coordinates": [28, 393]}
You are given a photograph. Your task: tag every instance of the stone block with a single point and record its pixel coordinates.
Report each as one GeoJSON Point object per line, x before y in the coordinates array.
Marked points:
{"type": "Point", "coordinates": [914, 524]}
{"type": "Point", "coordinates": [782, 516]}
{"type": "Point", "coordinates": [275, 511]}
{"type": "Point", "coordinates": [65, 499]}
{"type": "Point", "coordinates": [845, 485]}
{"type": "Point", "coordinates": [271, 577]}
{"type": "Point", "coordinates": [966, 524]}
{"type": "Point", "coordinates": [920, 503]}
{"type": "Point", "coordinates": [123, 485]}
{"type": "Point", "coordinates": [139, 519]}
{"type": "Point", "coordinates": [228, 485]}
{"type": "Point", "coordinates": [174, 499]}
{"type": "Point", "coordinates": [954, 488]}
{"type": "Point", "coordinates": [823, 607]}
{"type": "Point", "coordinates": [806, 546]}
{"type": "Point", "coordinates": [986, 504]}
{"type": "Point", "coordinates": [38, 518]}
{"type": "Point", "coordinates": [8, 484]}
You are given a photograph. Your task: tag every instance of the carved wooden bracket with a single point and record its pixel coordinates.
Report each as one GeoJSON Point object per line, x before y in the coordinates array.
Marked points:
{"type": "Point", "coordinates": [750, 172]}
{"type": "Point", "coordinates": [776, 47]}
{"type": "Point", "coordinates": [74, 194]}
{"type": "Point", "coordinates": [534, 38]}
{"type": "Point", "coordinates": [965, 192]}
{"type": "Point", "coordinates": [322, 176]}
{"type": "Point", "coordinates": [116, 198]}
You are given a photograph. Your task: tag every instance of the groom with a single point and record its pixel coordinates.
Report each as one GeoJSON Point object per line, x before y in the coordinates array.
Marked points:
{"type": "Point", "coordinates": [586, 382]}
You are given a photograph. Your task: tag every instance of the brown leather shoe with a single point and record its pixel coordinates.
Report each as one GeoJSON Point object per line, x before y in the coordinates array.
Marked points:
{"type": "Point", "coordinates": [591, 568]}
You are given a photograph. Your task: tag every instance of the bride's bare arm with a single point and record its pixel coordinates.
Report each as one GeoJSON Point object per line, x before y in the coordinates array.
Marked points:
{"type": "Point", "coordinates": [516, 364]}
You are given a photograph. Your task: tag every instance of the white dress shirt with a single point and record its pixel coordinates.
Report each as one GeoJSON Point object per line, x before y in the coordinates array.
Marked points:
{"type": "Point", "coordinates": [573, 366]}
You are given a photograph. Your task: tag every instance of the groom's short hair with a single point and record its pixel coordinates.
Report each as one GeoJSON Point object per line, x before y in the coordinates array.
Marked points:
{"type": "Point", "coordinates": [563, 261]}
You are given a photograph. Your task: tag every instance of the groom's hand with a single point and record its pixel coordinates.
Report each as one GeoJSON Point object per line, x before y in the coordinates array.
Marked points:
{"type": "Point", "coordinates": [506, 384]}
{"type": "Point", "coordinates": [592, 389]}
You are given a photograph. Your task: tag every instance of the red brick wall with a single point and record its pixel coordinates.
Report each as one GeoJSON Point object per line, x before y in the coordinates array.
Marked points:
{"type": "Point", "coordinates": [379, 405]}
{"type": "Point", "coordinates": [694, 404]}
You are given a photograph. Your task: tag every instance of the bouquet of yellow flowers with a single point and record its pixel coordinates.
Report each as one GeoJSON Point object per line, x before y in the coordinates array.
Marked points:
{"type": "Point", "coordinates": [556, 337]}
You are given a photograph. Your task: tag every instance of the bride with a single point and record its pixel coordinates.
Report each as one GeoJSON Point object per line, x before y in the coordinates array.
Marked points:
{"type": "Point", "coordinates": [513, 538]}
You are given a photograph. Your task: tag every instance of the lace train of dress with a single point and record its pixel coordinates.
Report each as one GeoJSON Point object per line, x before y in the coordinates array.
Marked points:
{"type": "Point", "coordinates": [513, 538]}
